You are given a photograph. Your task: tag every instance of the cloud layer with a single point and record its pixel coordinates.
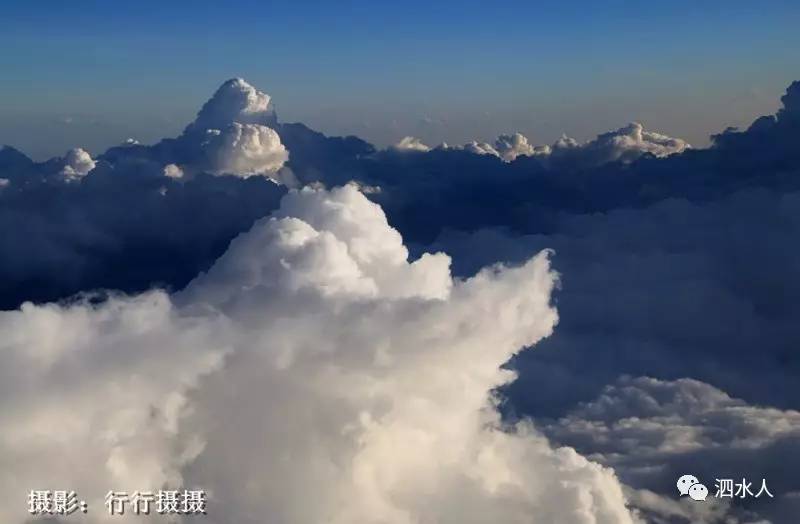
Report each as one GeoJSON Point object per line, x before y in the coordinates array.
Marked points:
{"type": "Point", "coordinates": [626, 144]}
{"type": "Point", "coordinates": [317, 356]}
{"type": "Point", "coordinates": [653, 431]}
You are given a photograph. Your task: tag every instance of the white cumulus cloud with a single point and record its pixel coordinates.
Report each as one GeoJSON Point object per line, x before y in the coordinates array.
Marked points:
{"type": "Point", "coordinates": [245, 150]}
{"type": "Point", "coordinates": [509, 147]}
{"type": "Point", "coordinates": [235, 101]}
{"type": "Point", "coordinates": [625, 145]}
{"type": "Point", "coordinates": [410, 143]}
{"type": "Point", "coordinates": [92, 396]}
{"type": "Point", "coordinates": [76, 164]}
{"type": "Point", "coordinates": [173, 171]}
{"type": "Point", "coordinates": [314, 374]}
{"type": "Point", "coordinates": [480, 148]}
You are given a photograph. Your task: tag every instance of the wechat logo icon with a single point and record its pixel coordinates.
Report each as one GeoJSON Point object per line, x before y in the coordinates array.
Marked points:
{"type": "Point", "coordinates": [690, 485]}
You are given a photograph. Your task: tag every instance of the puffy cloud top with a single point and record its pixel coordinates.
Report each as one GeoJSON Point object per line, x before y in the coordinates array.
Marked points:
{"type": "Point", "coordinates": [337, 241]}
{"type": "Point", "coordinates": [368, 379]}
{"type": "Point", "coordinates": [480, 148]}
{"type": "Point", "coordinates": [625, 145]}
{"type": "Point", "coordinates": [509, 147]}
{"type": "Point", "coordinates": [234, 130]}
{"type": "Point", "coordinates": [235, 101]}
{"type": "Point", "coordinates": [77, 164]}
{"type": "Point", "coordinates": [410, 143]}
{"type": "Point", "coordinates": [245, 150]}
{"type": "Point", "coordinates": [173, 171]}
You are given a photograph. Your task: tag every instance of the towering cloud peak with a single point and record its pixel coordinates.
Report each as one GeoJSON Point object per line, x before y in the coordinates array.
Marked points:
{"type": "Point", "coordinates": [313, 364]}
{"type": "Point", "coordinates": [509, 147]}
{"type": "Point", "coordinates": [77, 164]}
{"type": "Point", "coordinates": [235, 101]}
{"type": "Point", "coordinates": [337, 241]}
{"type": "Point", "coordinates": [234, 130]}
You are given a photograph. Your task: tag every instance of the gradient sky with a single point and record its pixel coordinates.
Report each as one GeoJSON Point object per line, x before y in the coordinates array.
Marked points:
{"type": "Point", "coordinates": [92, 73]}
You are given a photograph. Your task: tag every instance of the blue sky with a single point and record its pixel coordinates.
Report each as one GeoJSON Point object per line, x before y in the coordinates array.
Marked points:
{"type": "Point", "coordinates": [92, 73]}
